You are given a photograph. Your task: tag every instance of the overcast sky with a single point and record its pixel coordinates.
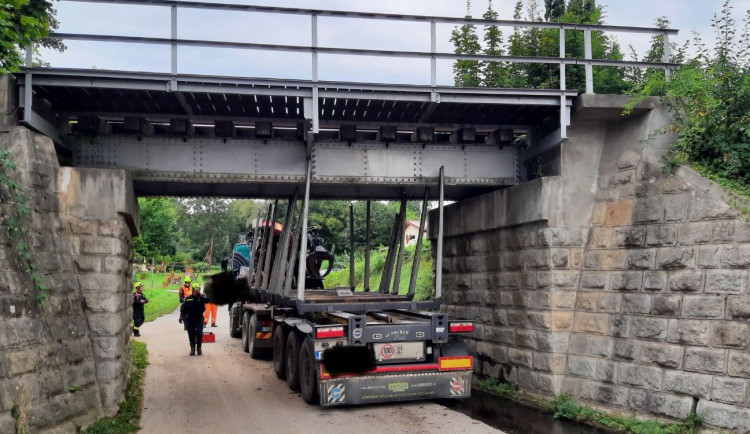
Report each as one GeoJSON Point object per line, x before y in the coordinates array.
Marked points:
{"type": "Point", "coordinates": [76, 17]}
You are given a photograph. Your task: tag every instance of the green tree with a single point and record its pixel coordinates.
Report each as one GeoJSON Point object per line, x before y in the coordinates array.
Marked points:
{"type": "Point", "coordinates": [247, 210]}
{"type": "Point", "coordinates": [466, 73]}
{"type": "Point", "coordinates": [493, 73]}
{"type": "Point", "coordinates": [23, 23]}
{"type": "Point", "coordinates": [158, 235]}
{"type": "Point", "coordinates": [516, 73]}
{"type": "Point", "coordinates": [554, 10]}
{"type": "Point", "coordinates": [535, 42]}
{"type": "Point", "coordinates": [202, 221]}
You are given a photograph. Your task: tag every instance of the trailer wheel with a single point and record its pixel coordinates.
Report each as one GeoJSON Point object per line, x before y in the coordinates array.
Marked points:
{"type": "Point", "coordinates": [245, 327]}
{"type": "Point", "coordinates": [292, 361]}
{"type": "Point", "coordinates": [308, 375]}
{"type": "Point", "coordinates": [254, 327]}
{"type": "Point", "coordinates": [235, 313]}
{"type": "Point", "coordinates": [279, 351]}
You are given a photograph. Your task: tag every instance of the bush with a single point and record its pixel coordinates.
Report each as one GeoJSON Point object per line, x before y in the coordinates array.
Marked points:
{"type": "Point", "coordinates": [709, 98]}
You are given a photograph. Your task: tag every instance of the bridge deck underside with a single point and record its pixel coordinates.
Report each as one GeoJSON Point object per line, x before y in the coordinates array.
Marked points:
{"type": "Point", "coordinates": [236, 161]}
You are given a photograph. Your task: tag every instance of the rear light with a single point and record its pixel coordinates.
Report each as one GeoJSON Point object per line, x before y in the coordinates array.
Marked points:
{"type": "Point", "coordinates": [329, 332]}
{"type": "Point", "coordinates": [455, 363]}
{"type": "Point", "coordinates": [461, 327]}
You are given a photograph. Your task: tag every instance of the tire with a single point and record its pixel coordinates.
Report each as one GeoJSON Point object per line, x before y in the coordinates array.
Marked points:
{"type": "Point", "coordinates": [292, 361]}
{"type": "Point", "coordinates": [308, 373]}
{"type": "Point", "coordinates": [251, 347]}
{"type": "Point", "coordinates": [235, 314]}
{"type": "Point", "coordinates": [245, 329]}
{"type": "Point", "coordinates": [279, 351]}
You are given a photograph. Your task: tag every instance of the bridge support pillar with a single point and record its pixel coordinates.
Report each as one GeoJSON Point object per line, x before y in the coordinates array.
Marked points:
{"type": "Point", "coordinates": [612, 281]}
{"type": "Point", "coordinates": [68, 355]}
{"type": "Point", "coordinates": [8, 100]}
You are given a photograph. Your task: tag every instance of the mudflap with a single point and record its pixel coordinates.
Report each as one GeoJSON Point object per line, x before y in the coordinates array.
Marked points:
{"type": "Point", "coordinates": [263, 340]}
{"type": "Point", "coordinates": [401, 387]}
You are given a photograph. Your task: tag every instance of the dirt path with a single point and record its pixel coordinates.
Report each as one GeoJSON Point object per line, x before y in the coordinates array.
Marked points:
{"type": "Point", "coordinates": [225, 390]}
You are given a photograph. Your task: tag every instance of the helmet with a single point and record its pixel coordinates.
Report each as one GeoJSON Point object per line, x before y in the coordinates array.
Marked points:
{"type": "Point", "coordinates": [138, 285]}
{"type": "Point", "coordinates": [188, 279]}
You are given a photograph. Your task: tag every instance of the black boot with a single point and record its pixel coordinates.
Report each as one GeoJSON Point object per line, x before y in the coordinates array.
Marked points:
{"type": "Point", "coordinates": [192, 350]}
{"type": "Point", "coordinates": [200, 353]}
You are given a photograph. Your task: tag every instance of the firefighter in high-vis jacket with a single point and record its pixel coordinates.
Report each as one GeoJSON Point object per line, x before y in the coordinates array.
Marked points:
{"type": "Point", "coordinates": [186, 288]}
{"type": "Point", "coordinates": [139, 301]}
{"type": "Point", "coordinates": [191, 313]}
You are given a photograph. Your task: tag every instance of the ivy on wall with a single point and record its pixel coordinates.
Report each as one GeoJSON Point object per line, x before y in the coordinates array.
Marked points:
{"type": "Point", "coordinates": [15, 215]}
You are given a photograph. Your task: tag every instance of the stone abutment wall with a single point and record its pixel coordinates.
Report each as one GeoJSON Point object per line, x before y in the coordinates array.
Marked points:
{"type": "Point", "coordinates": [64, 364]}
{"type": "Point", "coordinates": [619, 284]}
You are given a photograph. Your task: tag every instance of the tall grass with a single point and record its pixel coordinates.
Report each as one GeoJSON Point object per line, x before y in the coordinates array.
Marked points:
{"type": "Point", "coordinates": [424, 287]}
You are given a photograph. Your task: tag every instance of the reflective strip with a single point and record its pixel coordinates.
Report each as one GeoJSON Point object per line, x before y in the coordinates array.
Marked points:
{"type": "Point", "coordinates": [451, 363]}
{"type": "Point", "coordinates": [263, 335]}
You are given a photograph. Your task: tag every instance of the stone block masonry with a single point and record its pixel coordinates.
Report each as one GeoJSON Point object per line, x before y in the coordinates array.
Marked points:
{"type": "Point", "coordinates": [641, 305]}
{"type": "Point", "coordinates": [69, 357]}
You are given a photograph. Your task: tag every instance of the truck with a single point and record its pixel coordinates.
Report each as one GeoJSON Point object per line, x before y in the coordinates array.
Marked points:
{"type": "Point", "coordinates": [339, 346]}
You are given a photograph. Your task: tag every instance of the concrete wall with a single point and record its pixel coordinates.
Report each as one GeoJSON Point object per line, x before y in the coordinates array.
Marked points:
{"type": "Point", "coordinates": [69, 357]}
{"type": "Point", "coordinates": [616, 283]}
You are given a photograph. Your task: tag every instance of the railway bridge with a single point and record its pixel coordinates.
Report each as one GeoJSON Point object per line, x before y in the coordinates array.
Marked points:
{"type": "Point", "coordinates": [567, 244]}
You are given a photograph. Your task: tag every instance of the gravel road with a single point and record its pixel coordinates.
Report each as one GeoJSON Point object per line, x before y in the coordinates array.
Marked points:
{"type": "Point", "coordinates": [226, 391]}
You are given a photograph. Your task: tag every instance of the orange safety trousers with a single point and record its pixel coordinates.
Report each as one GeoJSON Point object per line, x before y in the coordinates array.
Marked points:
{"type": "Point", "coordinates": [210, 312]}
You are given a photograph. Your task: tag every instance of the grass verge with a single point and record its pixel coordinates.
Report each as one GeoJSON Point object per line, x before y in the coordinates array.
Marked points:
{"type": "Point", "coordinates": [161, 301]}
{"type": "Point", "coordinates": [565, 407]}
{"type": "Point", "coordinates": [127, 418]}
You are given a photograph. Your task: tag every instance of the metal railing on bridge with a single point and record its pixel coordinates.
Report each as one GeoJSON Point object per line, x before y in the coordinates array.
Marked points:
{"type": "Point", "coordinates": [433, 55]}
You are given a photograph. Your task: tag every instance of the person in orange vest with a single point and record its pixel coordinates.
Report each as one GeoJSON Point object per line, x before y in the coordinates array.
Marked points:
{"type": "Point", "coordinates": [186, 290]}
{"type": "Point", "coordinates": [210, 312]}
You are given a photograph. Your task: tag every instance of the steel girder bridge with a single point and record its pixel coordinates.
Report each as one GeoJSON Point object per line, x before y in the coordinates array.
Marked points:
{"type": "Point", "coordinates": [197, 135]}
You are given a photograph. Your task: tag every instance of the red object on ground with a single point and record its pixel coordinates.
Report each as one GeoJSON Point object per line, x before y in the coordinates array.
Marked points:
{"type": "Point", "coordinates": [209, 337]}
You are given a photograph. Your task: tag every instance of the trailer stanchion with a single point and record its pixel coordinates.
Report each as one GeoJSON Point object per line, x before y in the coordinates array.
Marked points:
{"type": "Point", "coordinates": [418, 249]}
{"type": "Point", "coordinates": [282, 249]}
{"type": "Point", "coordinates": [295, 243]}
{"type": "Point", "coordinates": [262, 245]}
{"type": "Point", "coordinates": [269, 247]}
{"type": "Point", "coordinates": [254, 249]}
{"type": "Point", "coordinates": [352, 283]}
{"type": "Point", "coordinates": [385, 281]}
{"type": "Point", "coordinates": [401, 246]}
{"type": "Point", "coordinates": [303, 242]}
{"type": "Point", "coordinates": [439, 259]}
{"type": "Point", "coordinates": [367, 248]}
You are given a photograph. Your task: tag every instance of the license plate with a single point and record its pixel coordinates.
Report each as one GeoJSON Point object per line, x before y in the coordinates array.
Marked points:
{"type": "Point", "coordinates": [399, 351]}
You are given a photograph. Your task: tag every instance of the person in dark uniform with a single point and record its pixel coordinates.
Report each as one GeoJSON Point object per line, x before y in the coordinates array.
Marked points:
{"type": "Point", "coordinates": [191, 312]}
{"type": "Point", "coordinates": [139, 301]}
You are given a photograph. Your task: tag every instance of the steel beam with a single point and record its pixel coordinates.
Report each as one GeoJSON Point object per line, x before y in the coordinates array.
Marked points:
{"type": "Point", "coordinates": [275, 160]}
